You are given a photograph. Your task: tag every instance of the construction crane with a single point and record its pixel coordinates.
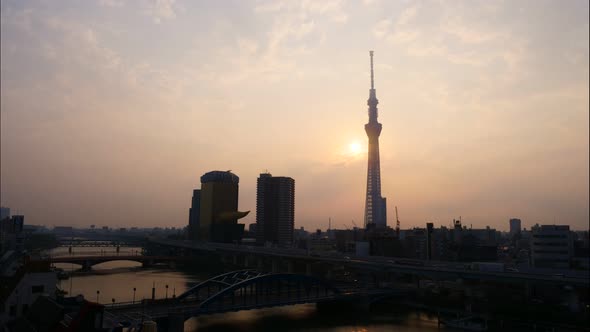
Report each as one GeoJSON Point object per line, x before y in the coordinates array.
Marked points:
{"type": "Point", "coordinates": [396, 223]}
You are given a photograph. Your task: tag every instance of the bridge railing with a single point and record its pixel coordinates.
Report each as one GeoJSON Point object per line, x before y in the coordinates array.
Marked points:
{"type": "Point", "coordinates": [162, 308]}
{"type": "Point", "coordinates": [93, 253]}
{"type": "Point", "coordinates": [138, 303]}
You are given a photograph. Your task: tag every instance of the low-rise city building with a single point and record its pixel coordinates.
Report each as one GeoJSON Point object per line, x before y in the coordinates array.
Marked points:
{"type": "Point", "coordinates": [551, 246]}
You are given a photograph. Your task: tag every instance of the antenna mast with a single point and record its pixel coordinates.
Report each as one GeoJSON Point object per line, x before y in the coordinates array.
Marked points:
{"type": "Point", "coordinates": [372, 81]}
{"type": "Point", "coordinates": [396, 223]}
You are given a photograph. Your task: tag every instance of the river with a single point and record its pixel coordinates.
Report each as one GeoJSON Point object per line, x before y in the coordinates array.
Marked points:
{"type": "Point", "coordinates": [117, 280]}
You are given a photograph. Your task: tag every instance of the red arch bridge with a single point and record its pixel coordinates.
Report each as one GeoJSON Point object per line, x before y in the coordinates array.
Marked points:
{"type": "Point", "coordinates": [241, 290]}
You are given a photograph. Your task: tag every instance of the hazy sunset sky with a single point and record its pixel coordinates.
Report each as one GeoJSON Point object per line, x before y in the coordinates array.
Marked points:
{"type": "Point", "coordinates": [111, 110]}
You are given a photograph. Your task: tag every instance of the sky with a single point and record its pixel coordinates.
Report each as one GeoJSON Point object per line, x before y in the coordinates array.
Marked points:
{"type": "Point", "coordinates": [111, 110]}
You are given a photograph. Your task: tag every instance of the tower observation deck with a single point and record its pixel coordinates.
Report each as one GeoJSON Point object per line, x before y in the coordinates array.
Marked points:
{"type": "Point", "coordinates": [375, 205]}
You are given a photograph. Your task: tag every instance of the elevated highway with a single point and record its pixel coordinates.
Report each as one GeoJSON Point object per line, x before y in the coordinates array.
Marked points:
{"type": "Point", "coordinates": [383, 264]}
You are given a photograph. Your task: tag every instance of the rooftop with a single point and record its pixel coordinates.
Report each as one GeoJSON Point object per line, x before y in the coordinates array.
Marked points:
{"type": "Point", "coordinates": [220, 176]}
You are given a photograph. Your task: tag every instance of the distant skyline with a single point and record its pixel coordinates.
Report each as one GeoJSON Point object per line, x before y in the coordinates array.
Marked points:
{"type": "Point", "coordinates": [111, 110]}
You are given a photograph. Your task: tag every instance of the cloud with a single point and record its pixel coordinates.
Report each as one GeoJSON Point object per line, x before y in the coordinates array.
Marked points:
{"type": "Point", "coordinates": [111, 3]}
{"type": "Point", "coordinates": [269, 6]}
{"type": "Point", "coordinates": [454, 33]}
{"type": "Point", "coordinates": [82, 67]}
{"type": "Point", "coordinates": [160, 10]}
{"type": "Point", "coordinates": [382, 28]}
{"type": "Point", "coordinates": [333, 9]}
{"type": "Point", "coordinates": [467, 34]}
{"type": "Point", "coordinates": [407, 15]}
{"type": "Point", "coordinates": [370, 2]}
{"type": "Point", "coordinates": [295, 28]}
{"type": "Point", "coordinates": [18, 19]}
{"type": "Point", "coordinates": [247, 46]}
{"type": "Point", "coordinates": [464, 91]}
{"type": "Point", "coordinates": [436, 25]}
{"type": "Point", "coordinates": [79, 44]}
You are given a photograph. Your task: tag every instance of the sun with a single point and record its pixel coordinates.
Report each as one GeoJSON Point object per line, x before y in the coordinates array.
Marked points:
{"type": "Point", "coordinates": [355, 148]}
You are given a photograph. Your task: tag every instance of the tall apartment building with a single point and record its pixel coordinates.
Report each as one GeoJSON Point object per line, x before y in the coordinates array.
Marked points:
{"type": "Point", "coordinates": [275, 210]}
{"type": "Point", "coordinates": [515, 226]}
{"type": "Point", "coordinates": [551, 246]}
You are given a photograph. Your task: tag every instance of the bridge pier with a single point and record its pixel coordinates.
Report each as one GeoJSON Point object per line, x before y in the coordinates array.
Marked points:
{"type": "Point", "coordinates": [175, 322]}
{"type": "Point", "coordinates": [416, 280]}
{"type": "Point", "coordinates": [86, 266]}
{"type": "Point", "coordinates": [260, 264]}
{"type": "Point", "coordinates": [147, 263]}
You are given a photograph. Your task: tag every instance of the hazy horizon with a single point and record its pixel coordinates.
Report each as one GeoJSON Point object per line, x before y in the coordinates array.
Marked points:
{"type": "Point", "coordinates": [111, 110]}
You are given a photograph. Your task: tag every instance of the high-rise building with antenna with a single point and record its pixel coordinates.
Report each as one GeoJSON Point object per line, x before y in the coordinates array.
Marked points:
{"type": "Point", "coordinates": [375, 205]}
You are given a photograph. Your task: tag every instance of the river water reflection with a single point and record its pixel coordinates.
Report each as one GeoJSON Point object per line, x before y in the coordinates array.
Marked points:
{"type": "Point", "coordinates": [117, 280]}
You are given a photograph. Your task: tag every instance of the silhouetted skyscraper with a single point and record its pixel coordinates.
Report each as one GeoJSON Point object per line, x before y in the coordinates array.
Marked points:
{"type": "Point", "coordinates": [515, 225]}
{"type": "Point", "coordinates": [194, 215]}
{"type": "Point", "coordinates": [375, 205]}
{"type": "Point", "coordinates": [275, 209]}
{"type": "Point", "coordinates": [218, 215]}
{"type": "Point", "coordinates": [4, 213]}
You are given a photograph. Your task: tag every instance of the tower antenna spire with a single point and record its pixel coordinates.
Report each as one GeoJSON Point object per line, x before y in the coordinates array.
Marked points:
{"type": "Point", "coordinates": [372, 80]}
{"type": "Point", "coordinates": [375, 204]}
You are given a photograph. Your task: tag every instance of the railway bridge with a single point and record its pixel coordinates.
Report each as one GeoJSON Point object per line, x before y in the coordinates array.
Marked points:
{"type": "Point", "coordinates": [241, 290]}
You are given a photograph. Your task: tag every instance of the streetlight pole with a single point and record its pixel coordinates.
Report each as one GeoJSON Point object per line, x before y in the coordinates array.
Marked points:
{"type": "Point", "coordinates": [97, 293]}
{"type": "Point", "coordinates": [134, 289]}
{"type": "Point", "coordinates": [71, 278]}
{"type": "Point", "coordinates": [166, 292]}
{"type": "Point", "coordinates": [113, 299]}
